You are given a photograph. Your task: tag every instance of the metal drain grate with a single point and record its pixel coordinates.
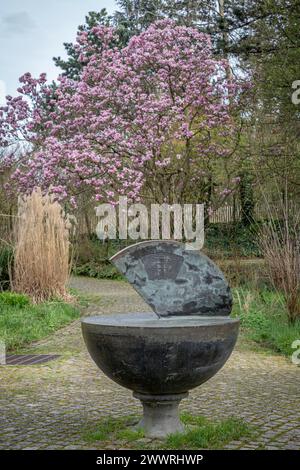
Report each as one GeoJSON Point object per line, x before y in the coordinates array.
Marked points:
{"type": "Point", "coordinates": [29, 359]}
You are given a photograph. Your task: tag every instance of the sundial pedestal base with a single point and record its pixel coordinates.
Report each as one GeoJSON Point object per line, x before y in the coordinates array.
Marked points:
{"type": "Point", "coordinates": [161, 416]}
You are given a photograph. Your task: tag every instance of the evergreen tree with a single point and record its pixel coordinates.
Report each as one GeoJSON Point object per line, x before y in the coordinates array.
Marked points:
{"type": "Point", "coordinates": [72, 66]}
{"type": "Point", "coordinates": [137, 15]}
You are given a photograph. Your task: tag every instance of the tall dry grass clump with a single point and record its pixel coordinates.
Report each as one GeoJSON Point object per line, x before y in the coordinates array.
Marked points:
{"type": "Point", "coordinates": [279, 242]}
{"type": "Point", "coordinates": [42, 249]}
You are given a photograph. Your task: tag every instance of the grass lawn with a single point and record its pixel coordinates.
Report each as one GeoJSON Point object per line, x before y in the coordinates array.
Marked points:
{"type": "Point", "coordinates": [22, 322]}
{"type": "Point", "coordinates": [200, 433]}
{"type": "Point", "coordinates": [264, 319]}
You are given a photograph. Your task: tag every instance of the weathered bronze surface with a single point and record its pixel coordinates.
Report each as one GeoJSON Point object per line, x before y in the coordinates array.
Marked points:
{"type": "Point", "coordinates": [175, 281]}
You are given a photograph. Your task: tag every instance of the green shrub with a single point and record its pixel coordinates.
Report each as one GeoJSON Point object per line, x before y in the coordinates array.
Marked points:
{"type": "Point", "coordinates": [6, 254]}
{"type": "Point", "coordinates": [92, 258]}
{"type": "Point", "coordinates": [97, 270]}
{"type": "Point", "coordinates": [264, 320]}
{"type": "Point", "coordinates": [14, 299]}
{"type": "Point", "coordinates": [243, 272]}
{"type": "Point", "coordinates": [231, 240]}
{"type": "Point", "coordinates": [255, 320]}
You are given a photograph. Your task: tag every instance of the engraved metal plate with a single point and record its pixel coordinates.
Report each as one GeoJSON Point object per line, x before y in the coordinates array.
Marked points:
{"type": "Point", "coordinates": [162, 265]}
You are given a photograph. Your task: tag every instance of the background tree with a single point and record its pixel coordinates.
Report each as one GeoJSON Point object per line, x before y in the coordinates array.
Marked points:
{"type": "Point", "coordinates": [73, 65]}
{"type": "Point", "coordinates": [276, 66]}
{"type": "Point", "coordinates": [135, 16]}
{"type": "Point", "coordinates": [143, 118]}
{"type": "Point", "coordinates": [259, 38]}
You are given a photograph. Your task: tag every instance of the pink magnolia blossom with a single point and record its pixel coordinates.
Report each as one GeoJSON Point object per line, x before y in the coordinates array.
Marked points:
{"type": "Point", "coordinates": [162, 104]}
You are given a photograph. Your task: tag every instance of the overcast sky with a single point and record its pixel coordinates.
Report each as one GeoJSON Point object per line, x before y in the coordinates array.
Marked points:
{"type": "Point", "coordinates": [33, 31]}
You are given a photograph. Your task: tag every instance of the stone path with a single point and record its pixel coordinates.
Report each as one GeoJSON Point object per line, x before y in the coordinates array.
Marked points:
{"type": "Point", "coordinates": [49, 406]}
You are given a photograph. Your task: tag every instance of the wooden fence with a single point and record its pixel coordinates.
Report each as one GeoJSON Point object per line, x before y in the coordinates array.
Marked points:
{"type": "Point", "coordinates": [225, 215]}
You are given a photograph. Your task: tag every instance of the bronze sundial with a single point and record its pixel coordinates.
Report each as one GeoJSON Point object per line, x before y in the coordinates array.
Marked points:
{"type": "Point", "coordinates": [173, 280]}
{"type": "Point", "coordinates": [161, 359]}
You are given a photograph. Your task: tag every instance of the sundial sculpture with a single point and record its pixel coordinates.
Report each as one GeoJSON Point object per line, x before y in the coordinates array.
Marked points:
{"type": "Point", "coordinates": [188, 338]}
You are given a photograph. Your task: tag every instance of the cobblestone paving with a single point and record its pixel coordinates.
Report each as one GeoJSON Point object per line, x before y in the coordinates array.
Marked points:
{"type": "Point", "coordinates": [49, 406]}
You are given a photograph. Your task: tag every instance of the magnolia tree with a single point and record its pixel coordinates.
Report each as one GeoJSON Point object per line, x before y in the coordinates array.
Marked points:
{"type": "Point", "coordinates": [154, 119]}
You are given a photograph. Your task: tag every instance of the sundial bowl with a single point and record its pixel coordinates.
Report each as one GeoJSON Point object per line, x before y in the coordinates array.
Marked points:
{"type": "Point", "coordinates": [159, 356]}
